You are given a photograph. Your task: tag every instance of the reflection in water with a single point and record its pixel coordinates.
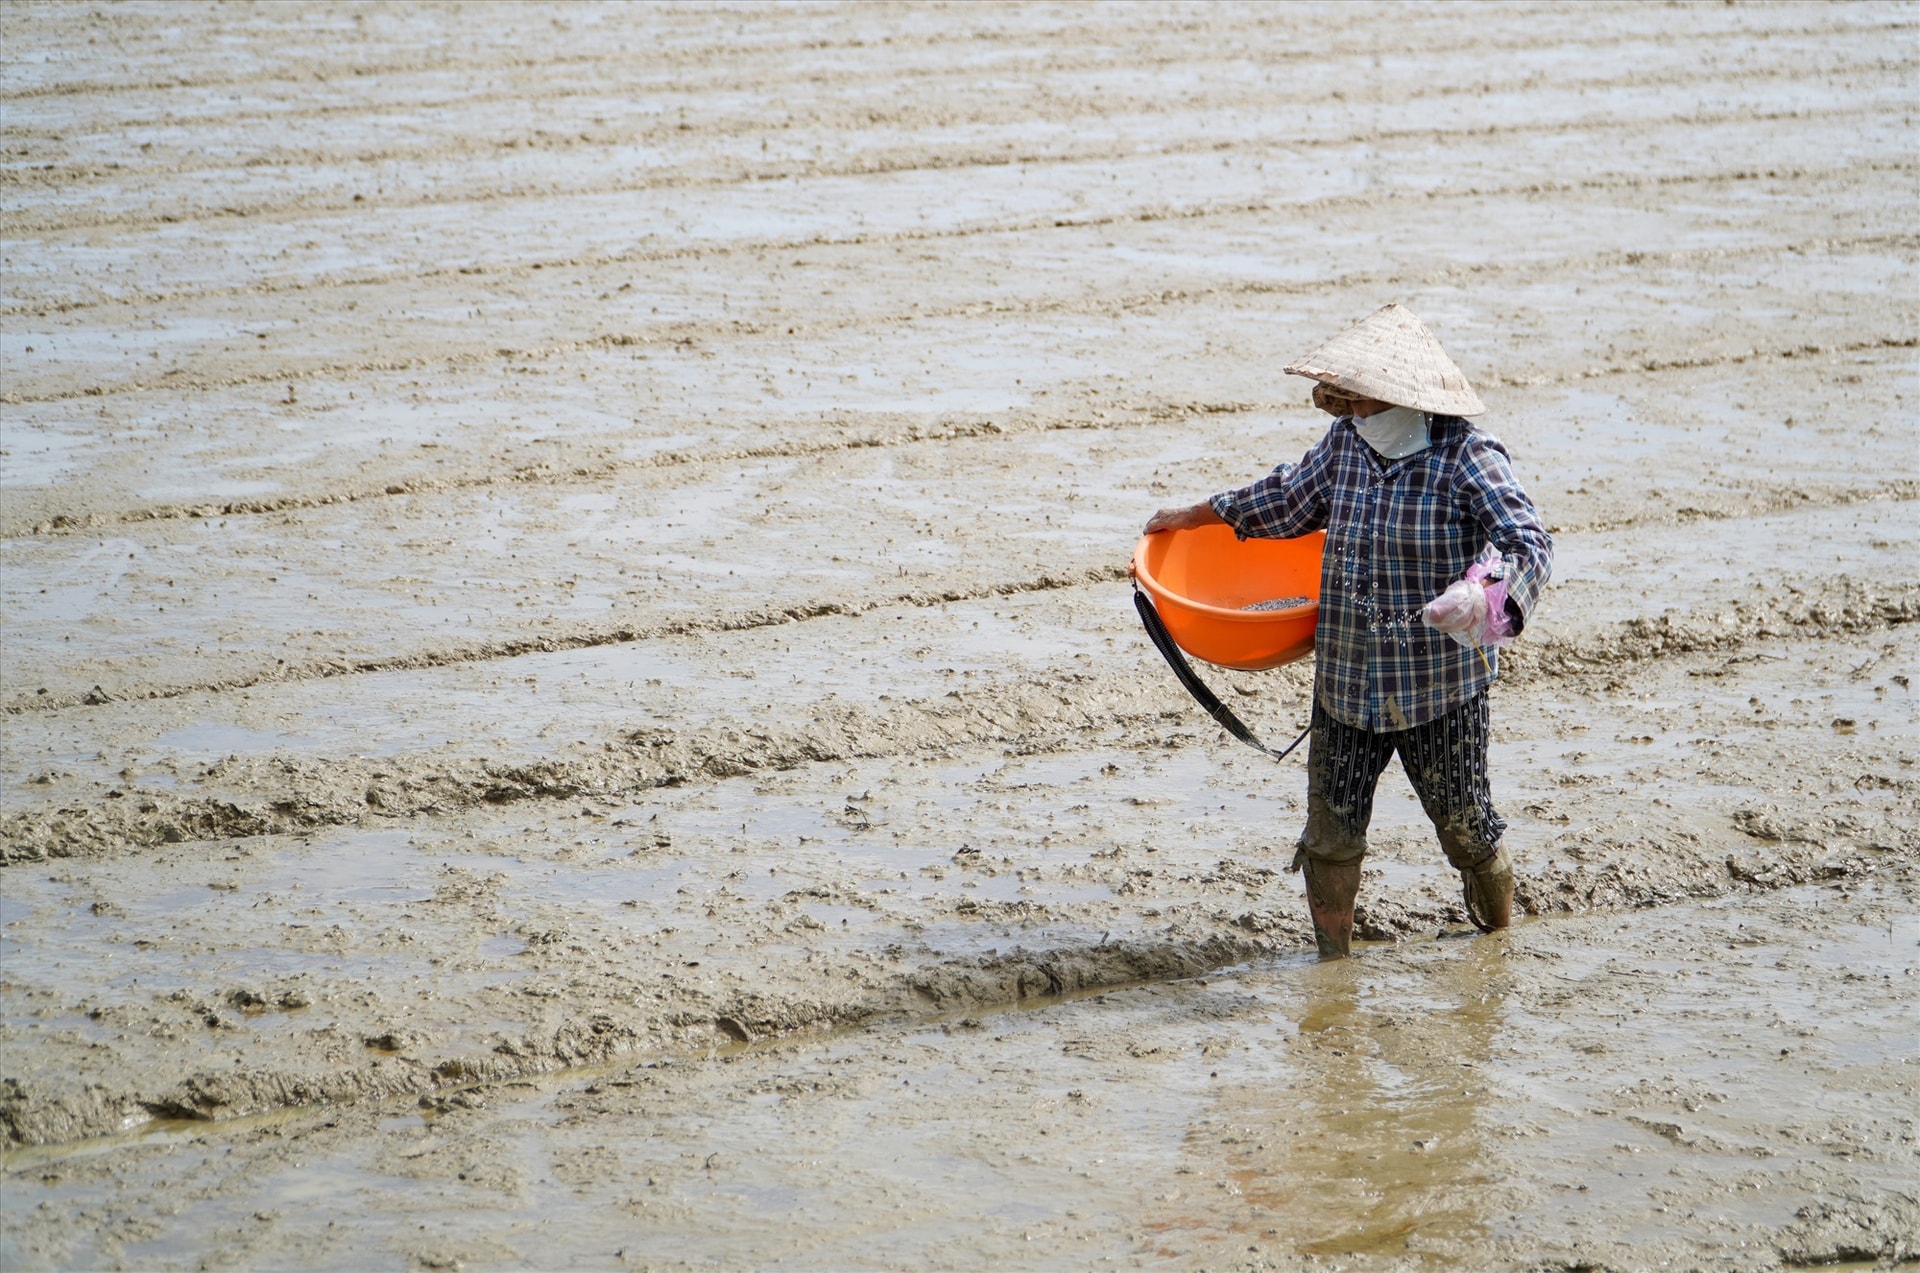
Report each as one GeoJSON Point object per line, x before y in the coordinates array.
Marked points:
{"type": "Point", "coordinates": [1398, 1162]}
{"type": "Point", "coordinates": [1372, 1140]}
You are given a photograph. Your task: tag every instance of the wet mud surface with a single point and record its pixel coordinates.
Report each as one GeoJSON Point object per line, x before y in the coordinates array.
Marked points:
{"type": "Point", "coordinates": [569, 685]}
{"type": "Point", "coordinates": [1727, 1085]}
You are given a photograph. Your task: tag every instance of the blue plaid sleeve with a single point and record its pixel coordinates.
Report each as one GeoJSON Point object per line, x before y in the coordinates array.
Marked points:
{"type": "Point", "coordinates": [1287, 502]}
{"type": "Point", "coordinates": [1501, 506]}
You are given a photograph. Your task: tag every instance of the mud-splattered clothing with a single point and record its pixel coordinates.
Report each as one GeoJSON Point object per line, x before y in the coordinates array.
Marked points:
{"type": "Point", "coordinates": [1398, 532]}
{"type": "Point", "coordinates": [1445, 761]}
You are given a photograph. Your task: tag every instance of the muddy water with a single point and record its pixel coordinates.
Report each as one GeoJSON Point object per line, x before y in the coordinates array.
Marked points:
{"type": "Point", "coordinates": [1678, 1086]}
{"type": "Point", "coordinates": [569, 684]}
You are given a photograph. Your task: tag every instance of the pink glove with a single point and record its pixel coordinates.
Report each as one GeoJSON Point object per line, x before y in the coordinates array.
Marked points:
{"type": "Point", "coordinates": [1460, 611]}
{"type": "Point", "coordinates": [1473, 610]}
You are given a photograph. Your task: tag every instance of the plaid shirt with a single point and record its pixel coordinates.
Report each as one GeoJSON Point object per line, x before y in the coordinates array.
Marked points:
{"type": "Point", "coordinates": [1398, 532]}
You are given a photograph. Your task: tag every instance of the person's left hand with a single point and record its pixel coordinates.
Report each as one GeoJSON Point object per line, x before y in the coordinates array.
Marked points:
{"type": "Point", "coordinates": [1459, 612]}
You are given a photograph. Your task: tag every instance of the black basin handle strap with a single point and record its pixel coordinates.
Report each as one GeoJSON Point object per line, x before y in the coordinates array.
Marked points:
{"type": "Point", "coordinates": [1163, 640]}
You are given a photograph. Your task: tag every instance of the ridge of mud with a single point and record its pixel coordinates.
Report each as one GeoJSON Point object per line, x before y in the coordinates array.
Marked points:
{"type": "Point", "coordinates": [1363, 280]}
{"type": "Point", "coordinates": [1752, 501]}
{"type": "Point", "coordinates": [730, 56]}
{"type": "Point", "coordinates": [30, 1117]}
{"type": "Point", "coordinates": [1200, 937]}
{"type": "Point", "coordinates": [583, 639]}
{"type": "Point", "coordinates": [907, 434]}
{"type": "Point", "coordinates": [1050, 221]}
{"type": "Point", "coordinates": [694, 1024]}
{"type": "Point", "coordinates": [290, 795]}
{"type": "Point", "coordinates": [1764, 501]}
{"type": "Point", "coordinates": [912, 433]}
{"type": "Point", "coordinates": [1824, 607]}
{"type": "Point", "coordinates": [1755, 354]}
{"type": "Point", "coordinates": [1062, 112]}
{"type": "Point", "coordinates": [1883, 1229]}
{"type": "Point", "coordinates": [18, 225]}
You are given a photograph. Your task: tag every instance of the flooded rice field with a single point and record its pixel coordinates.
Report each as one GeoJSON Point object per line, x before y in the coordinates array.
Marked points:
{"type": "Point", "coordinates": [571, 697]}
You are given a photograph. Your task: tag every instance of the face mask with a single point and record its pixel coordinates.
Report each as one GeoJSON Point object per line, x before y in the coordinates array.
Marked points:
{"type": "Point", "coordinates": [1395, 433]}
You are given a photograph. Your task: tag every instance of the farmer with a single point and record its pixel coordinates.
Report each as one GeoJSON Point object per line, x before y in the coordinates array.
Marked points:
{"type": "Point", "coordinates": [1410, 495]}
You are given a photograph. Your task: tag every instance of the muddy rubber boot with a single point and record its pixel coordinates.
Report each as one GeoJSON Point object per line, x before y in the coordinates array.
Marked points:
{"type": "Point", "coordinates": [1331, 888]}
{"type": "Point", "coordinates": [1488, 889]}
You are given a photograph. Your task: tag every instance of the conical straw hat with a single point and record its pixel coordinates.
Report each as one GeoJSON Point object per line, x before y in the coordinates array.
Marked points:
{"type": "Point", "coordinates": [1390, 355]}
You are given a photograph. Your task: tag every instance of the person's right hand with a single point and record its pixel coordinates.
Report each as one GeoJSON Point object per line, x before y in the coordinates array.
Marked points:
{"type": "Point", "coordinates": [1201, 514]}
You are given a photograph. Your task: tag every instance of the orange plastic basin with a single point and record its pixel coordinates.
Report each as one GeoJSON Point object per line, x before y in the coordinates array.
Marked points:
{"type": "Point", "coordinates": [1202, 580]}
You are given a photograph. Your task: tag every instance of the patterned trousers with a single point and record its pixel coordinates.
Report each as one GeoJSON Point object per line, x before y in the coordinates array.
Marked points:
{"type": "Point", "coordinates": [1445, 760]}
